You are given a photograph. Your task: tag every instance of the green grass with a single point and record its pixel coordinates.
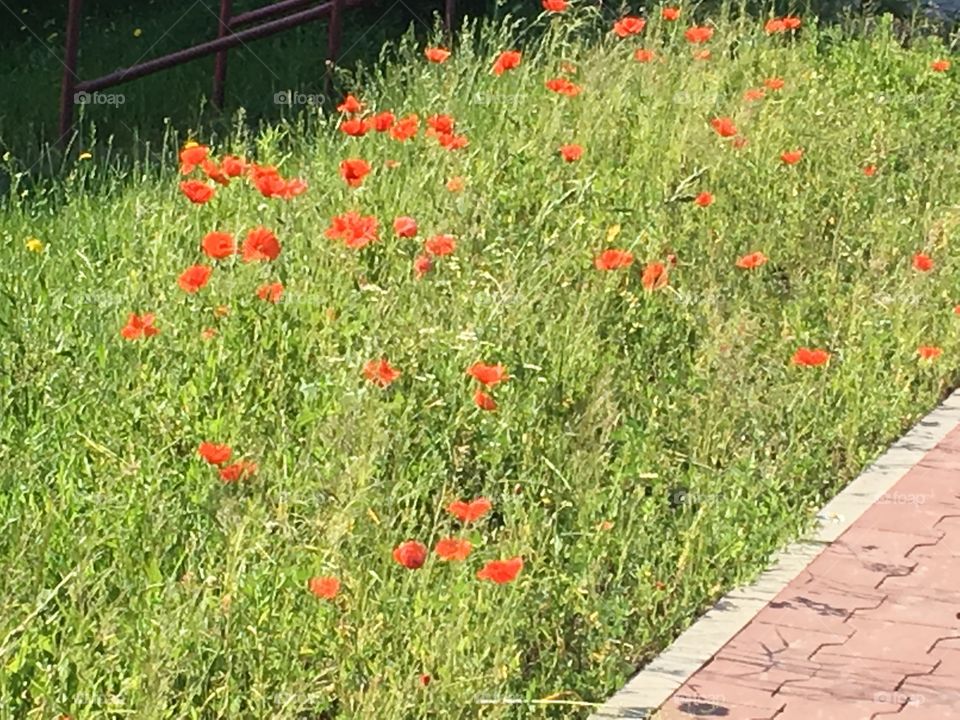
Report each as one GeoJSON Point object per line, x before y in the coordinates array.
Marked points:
{"type": "Point", "coordinates": [650, 449]}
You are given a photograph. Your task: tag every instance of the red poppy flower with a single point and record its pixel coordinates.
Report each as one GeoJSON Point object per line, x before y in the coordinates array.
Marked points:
{"type": "Point", "coordinates": [922, 262]}
{"type": "Point", "coordinates": [571, 153]}
{"type": "Point", "coordinates": [870, 170]}
{"type": "Point", "coordinates": [468, 512]}
{"type": "Point", "coordinates": [324, 587]}
{"type": "Point", "coordinates": [556, 6]}
{"type": "Point", "coordinates": [724, 126]}
{"type": "Point", "coordinates": [208, 333]}
{"type": "Point", "coordinates": [563, 86]}
{"type": "Point", "coordinates": [215, 172]}
{"type": "Point", "coordinates": [775, 25]}
{"type": "Point", "coordinates": [411, 554]}
{"type": "Point", "coordinates": [380, 372]}
{"type": "Point", "coordinates": [484, 401]}
{"type": "Point", "coordinates": [214, 454]}
{"type": "Point", "coordinates": [355, 127]}
{"type": "Point", "coordinates": [929, 352]}
{"type": "Point", "coordinates": [441, 123]}
{"type": "Point", "coordinates": [355, 230]}
{"type": "Point", "coordinates": [791, 22]}
{"type": "Point", "coordinates": [218, 245]}
{"type": "Point", "coordinates": [704, 199]}
{"type": "Point", "coordinates": [956, 309]}
{"type": "Point", "coordinates": [270, 292]}
{"type": "Point", "coordinates": [270, 184]}
{"type": "Point", "coordinates": [774, 83]}
{"type": "Point", "coordinates": [191, 157]}
{"type": "Point", "coordinates": [452, 141]}
{"type": "Point", "coordinates": [437, 55]}
{"type": "Point", "coordinates": [233, 166]}
{"type": "Point", "coordinates": [455, 184]}
{"type": "Point", "coordinates": [405, 226]}
{"type": "Point", "coordinates": [383, 121]}
{"type": "Point", "coordinates": [237, 471]}
{"type": "Point", "coordinates": [507, 60]}
{"type": "Point", "coordinates": [424, 679]}
{"type": "Point", "coordinates": [654, 276]}
{"type": "Point", "coordinates": [194, 278]}
{"type": "Point", "coordinates": [501, 571]}
{"type": "Point", "coordinates": [260, 244]}
{"type": "Point", "coordinates": [440, 245]}
{"type": "Point", "coordinates": [405, 128]}
{"type": "Point", "coordinates": [488, 375]}
{"type": "Point", "coordinates": [350, 105]}
{"type": "Point", "coordinates": [422, 265]}
{"type": "Point", "coordinates": [670, 13]}
{"type": "Point", "coordinates": [791, 157]}
{"type": "Point", "coordinates": [453, 549]}
{"type": "Point", "coordinates": [642, 55]}
{"type": "Point", "coordinates": [752, 260]}
{"type": "Point", "coordinates": [197, 192]}
{"type": "Point", "coordinates": [698, 34]}
{"type": "Point", "coordinates": [613, 259]}
{"type": "Point", "coordinates": [809, 357]}
{"type": "Point", "coordinates": [627, 26]}
{"type": "Point", "coordinates": [754, 94]}
{"type": "Point", "coordinates": [354, 170]}
{"type": "Point", "coordinates": [139, 326]}
{"type": "Point", "coordinates": [940, 65]}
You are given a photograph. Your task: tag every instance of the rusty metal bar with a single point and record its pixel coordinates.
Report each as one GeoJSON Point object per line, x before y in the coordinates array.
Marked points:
{"type": "Point", "coordinates": [68, 86]}
{"type": "Point", "coordinates": [220, 64]}
{"type": "Point", "coordinates": [334, 37]}
{"type": "Point", "coordinates": [265, 13]}
{"type": "Point", "coordinates": [449, 17]}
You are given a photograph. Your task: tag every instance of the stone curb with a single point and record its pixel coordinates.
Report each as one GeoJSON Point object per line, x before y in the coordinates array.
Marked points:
{"type": "Point", "coordinates": [650, 688]}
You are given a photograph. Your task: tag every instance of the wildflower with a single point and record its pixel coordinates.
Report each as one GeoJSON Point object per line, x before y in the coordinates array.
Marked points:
{"type": "Point", "coordinates": [468, 512]}
{"type": "Point", "coordinates": [940, 65]}
{"type": "Point", "coordinates": [484, 401]}
{"type": "Point", "coordinates": [233, 166]}
{"type": "Point", "coordinates": [382, 121]}
{"type": "Point", "coordinates": [356, 231]}
{"type": "Point", "coordinates": [809, 357]}
{"type": "Point", "coordinates": [455, 184]}
{"type": "Point", "coordinates": [34, 245]}
{"type": "Point", "coordinates": [405, 226]}
{"type": "Point", "coordinates": [488, 375]}
{"type": "Point", "coordinates": [324, 587]}
{"type": "Point", "coordinates": [405, 128]}
{"type": "Point", "coordinates": [929, 352]}
{"type": "Point", "coordinates": [194, 278]}
{"type": "Point", "coordinates": [441, 123]}
{"type": "Point", "coordinates": [501, 571]}
{"type": "Point", "coordinates": [724, 127]}
{"type": "Point", "coordinates": [627, 26]}
{"type": "Point", "coordinates": [453, 549]}
{"type": "Point", "coordinates": [354, 127]}
{"type": "Point", "coordinates": [555, 6]}
{"type": "Point", "coordinates": [139, 326]}
{"type": "Point", "coordinates": [698, 34]}
{"type": "Point", "coordinates": [422, 265]}
{"type": "Point", "coordinates": [562, 86]}
{"type": "Point", "coordinates": [670, 13]}
{"type": "Point", "coordinates": [213, 453]}
{"type": "Point", "coordinates": [654, 276]}
{"type": "Point", "coordinates": [192, 156]}
{"type": "Point", "coordinates": [752, 260]}
{"type": "Point", "coordinates": [704, 199]}
{"type": "Point", "coordinates": [507, 60]}
{"type": "Point", "coordinates": [208, 333]}
{"type": "Point", "coordinates": [437, 55]}
{"type": "Point", "coordinates": [215, 172]}
{"type": "Point", "coordinates": [791, 22]}
{"type": "Point", "coordinates": [440, 245]}
{"type": "Point", "coordinates": [774, 83]}
{"type": "Point", "coordinates": [237, 471]}
{"type": "Point", "coordinates": [380, 372]}
{"type": "Point", "coordinates": [424, 679]}
{"type": "Point", "coordinates": [642, 55]}
{"type": "Point", "coordinates": [791, 157]}
{"type": "Point", "coordinates": [218, 245]}
{"type": "Point", "coordinates": [870, 170]}
{"type": "Point", "coordinates": [350, 105]}
{"type": "Point", "coordinates": [774, 25]}
{"type": "Point", "coordinates": [411, 554]}
{"type": "Point", "coordinates": [260, 244]}
{"type": "Point", "coordinates": [197, 192]}
{"type": "Point", "coordinates": [85, 155]}
{"type": "Point", "coordinates": [571, 153]}
{"type": "Point", "coordinates": [922, 262]}
{"type": "Point", "coordinates": [613, 259]}
{"type": "Point", "coordinates": [270, 292]}
{"type": "Point", "coordinates": [452, 141]}
{"type": "Point", "coordinates": [354, 170]}
{"type": "Point", "coordinates": [754, 94]}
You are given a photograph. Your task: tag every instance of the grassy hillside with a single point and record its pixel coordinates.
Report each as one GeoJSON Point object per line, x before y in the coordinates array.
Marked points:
{"type": "Point", "coordinates": [660, 430]}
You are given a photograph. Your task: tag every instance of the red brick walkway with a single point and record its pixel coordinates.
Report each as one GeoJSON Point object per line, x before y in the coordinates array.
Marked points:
{"type": "Point", "coordinates": [871, 629]}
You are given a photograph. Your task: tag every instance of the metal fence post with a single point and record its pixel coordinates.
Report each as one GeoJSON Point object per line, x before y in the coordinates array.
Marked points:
{"type": "Point", "coordinates": [69, 82]}
{"type": "Point", "coordinates": [334, 36]}
{"type": "Point", "coordinates": [220, 65]}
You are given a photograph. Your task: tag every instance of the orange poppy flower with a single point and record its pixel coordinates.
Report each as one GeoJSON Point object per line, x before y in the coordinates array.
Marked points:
{"type": "Point", "coordinates": [562, 86]}
{"type": "Point", "coordinates": [139, 326]}
{"type": "Point", "coordinates": [670, 13]}
{"type": "Point", "coordinates": [929, 352]}
{"type": "Point", "coordinates": [484, 401]}
{"type": "Point", "coordinates": [870, 170]}
{"type": "Point", "coordinates": [452, 141]}
{"type": "Point", "coordinates": [654, 276]}
{"type": "Point", "coordinates": [774, 83]}
{"type": "Point", "coordinates": [405, 128]}
{"type": "Point", "coordinates": [383, 121]}
{"type": "Point", "coordinates": [422, 265]}
{"type": "Point", "coordinates": [324, 587]}
{"type": "Point", "coordinates": [488, 375]}
{"type": "Point", "coordinates": [698, 34]}
{"type": "Point", "coordinates": [501, 571]}
{"type": "Point", "coordinates": [791, 157]}
{"type": "Point", "coordinates": [627, 26]}
{"type": "Point", "coordinates": [233, 166]}
{"type": "Point", "coordinates": [218, 245]}
{"type": "Point", "coordinates": [791, 22]}
{"type": "Point", "coordinates": [441, 123]}
{"type": "Point", "coordinates": [704, 199]}
{"type": "Point", "coordinates": [355, 127]}
{"type": "Point", "coordinates": [613, 259]}
{"type": "Point", "coordinates": [571, 153]}
{"type": "Point", "coordinates": [237, 471]}
{"type": "Point", "coordinates": [556, 6]}
{"type": "Point", "coordinates": [455, 184]}
{"type": "Point", "coordinates": [437, 54]}
{"type": "Point", "coordinates": [405, 226]}
{"type": "Point", "coordinates": [922, 262]}
{"type": "Point", "coordinates": [411, 554]}
{"type": "Point", "coordinates": [356, 231]}
{"type": "Point", "coordinates": [215, 173]}
{"type": "Point", "coordinates": [213, 453]}
{"type": "Point", "coordinates": [197, 192]}
{"type": "Point", "coordinates": [194, 278]}
{"type": "Point", "coordinates": [940, 65]}
{"type": "Point", "coordinates": [440, 245]}
{"type": "Point", "coordinates": [354, 170]}
{"type": "Point", "coordinates": [380, 372]}
{"type": "Point", "coordinates": [270, 292]}
{"type": "Point", "coordinates": [723, 126]}
{"type": "Point", "coordinates": [752, 260]}
{"type": "Point", "coordinates": [208, 333]}
{"type": "Point", "coordinates": [754, 94]}
{"type": "Point", "coordinates": [507, 60]}
{"type": "Point", "coordinates": [260, 244]}
{"type": "Point", "coordinates": [453, 549]}
{"type": "Point", "coordinates": [774, 25]}
{"type": "Point", "coordinates": [350, 105]}
{"type": "Point", "coordinates": [468, 512]}
{"type": "Point", "coordinates": [809, 357]}
{"type": "Point", "coordinates": [191, 157]}
{"type": "Point", "coordinates": [642, 55]}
